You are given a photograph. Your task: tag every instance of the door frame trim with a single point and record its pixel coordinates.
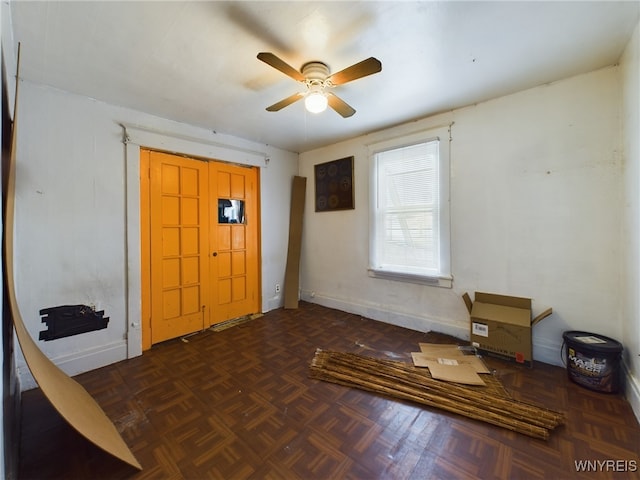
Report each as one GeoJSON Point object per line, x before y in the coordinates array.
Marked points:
{"type": "Point", "coordinates": [135, 137]}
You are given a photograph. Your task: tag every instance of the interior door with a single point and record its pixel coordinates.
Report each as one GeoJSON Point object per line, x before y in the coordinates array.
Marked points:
{"type": "Point", "coordinates": [179, 230]}
{"type": "Point", "coordinates": [234, 243]}
{"type": "Point", "coordinates": [200, 251]}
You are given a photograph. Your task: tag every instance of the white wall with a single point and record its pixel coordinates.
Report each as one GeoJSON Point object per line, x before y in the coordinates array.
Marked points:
{"type": "Point", "coordinates": [630, 64]}
{"type": "Point", "coordinates": [277, 180]}
{"type": "Point", "coordinates": [76, 217]}
{"type": "Point", "coordinates": [535, 212]}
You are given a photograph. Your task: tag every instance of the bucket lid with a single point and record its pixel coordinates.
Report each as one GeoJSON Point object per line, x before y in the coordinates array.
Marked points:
{"type": "Point", "coordinates": [593, 341]}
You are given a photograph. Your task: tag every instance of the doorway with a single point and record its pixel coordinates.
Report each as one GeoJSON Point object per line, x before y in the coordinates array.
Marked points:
{"type": "Point", "coordinates": [200, 244]}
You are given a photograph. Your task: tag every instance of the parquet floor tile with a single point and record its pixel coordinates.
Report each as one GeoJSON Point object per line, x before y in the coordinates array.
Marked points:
{"type": "Point", "coordinates": [238, 404]}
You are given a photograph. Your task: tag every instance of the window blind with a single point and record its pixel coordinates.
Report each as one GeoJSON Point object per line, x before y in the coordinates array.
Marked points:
{"type": "Point", "coordinates": [407, 206]}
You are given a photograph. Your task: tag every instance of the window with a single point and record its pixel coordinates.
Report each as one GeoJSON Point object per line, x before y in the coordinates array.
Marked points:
{"type": "Point", "coordinates": [230, 211]}
{"type": "Point", "coordinates": [410, 209]}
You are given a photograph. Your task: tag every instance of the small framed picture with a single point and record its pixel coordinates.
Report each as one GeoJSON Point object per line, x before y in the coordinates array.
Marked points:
{"type": "Point", "coordinates": [334, 185]}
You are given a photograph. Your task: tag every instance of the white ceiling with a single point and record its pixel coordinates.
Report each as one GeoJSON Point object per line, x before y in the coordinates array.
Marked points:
{"type": "Point", "coordinates": [195, 61]}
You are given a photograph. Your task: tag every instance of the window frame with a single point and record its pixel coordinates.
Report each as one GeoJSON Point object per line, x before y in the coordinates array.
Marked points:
{"type": "Point", "coordinates": [443, 277]}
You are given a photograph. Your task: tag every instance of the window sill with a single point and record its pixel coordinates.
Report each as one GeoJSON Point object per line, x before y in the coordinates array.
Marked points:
{"type": "Point", "coordinates": [435, 281]}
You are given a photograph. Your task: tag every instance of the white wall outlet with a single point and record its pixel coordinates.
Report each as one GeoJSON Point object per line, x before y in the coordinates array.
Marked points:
{"type": "Point", "coordinates": [277, 288]}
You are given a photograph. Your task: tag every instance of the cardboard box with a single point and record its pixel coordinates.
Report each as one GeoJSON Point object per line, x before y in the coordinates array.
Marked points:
{"type": "Point", "coordinates": [501, 326]}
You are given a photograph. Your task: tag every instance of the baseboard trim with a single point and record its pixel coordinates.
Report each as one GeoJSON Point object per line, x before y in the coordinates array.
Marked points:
{"type": "Point", "coordinates": [546, 352]}
{"type": "Point", "coordinates": [400, 319]}
{"type": "Point", "coordinates": [632, 390]}
{"type": "Point", "coordinates": [79, 362]}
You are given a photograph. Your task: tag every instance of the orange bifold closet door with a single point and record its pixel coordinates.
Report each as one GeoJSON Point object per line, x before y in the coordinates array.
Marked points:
{"type": "Point", "coordinates": [200, 244]}
{"type": "Point", "coordinates": [234, 242]}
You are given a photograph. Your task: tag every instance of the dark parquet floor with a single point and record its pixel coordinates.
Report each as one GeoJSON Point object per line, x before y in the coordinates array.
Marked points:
{"type": "Point", "coordinates": [238, 404]}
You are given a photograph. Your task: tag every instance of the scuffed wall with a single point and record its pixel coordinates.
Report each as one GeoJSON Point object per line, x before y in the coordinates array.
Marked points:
{"type": "Point", "coordinates": [75, 215]}
{"type": "Point", "coordinates": [535, 212]}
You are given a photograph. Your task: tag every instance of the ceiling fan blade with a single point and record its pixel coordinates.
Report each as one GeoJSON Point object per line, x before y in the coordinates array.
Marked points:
{"type": "Point", "coordinates": [283, 103]}
{"type": "Point", "coordinates": [243, 15]}
{"type": "Point", "coordinates": [339, 105]}
{"type": "Point", "coordinates": [278, 64]}
{"type": "Point", "coordinates": [361, 69]}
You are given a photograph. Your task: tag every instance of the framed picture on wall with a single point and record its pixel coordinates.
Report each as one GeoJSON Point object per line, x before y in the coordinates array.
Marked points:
{"type": "Point", "coordinates": [334, 185]}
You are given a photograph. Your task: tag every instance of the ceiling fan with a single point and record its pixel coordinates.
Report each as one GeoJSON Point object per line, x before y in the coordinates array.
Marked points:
{"type": "Point", "coordinates": [318, 79]}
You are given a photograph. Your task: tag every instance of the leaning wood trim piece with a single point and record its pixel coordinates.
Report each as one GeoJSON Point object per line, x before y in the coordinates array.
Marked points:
{"type": "Point", "coordinates": [67, 396]}
{"type": "Point", "coordinates": [491, 404]}
{"type": "Point", "coordinates": [292, 271]}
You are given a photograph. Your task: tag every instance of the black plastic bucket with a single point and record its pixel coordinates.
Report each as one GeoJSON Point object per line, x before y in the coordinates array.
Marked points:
{"type": "Point", "coordinates": [593, 361]}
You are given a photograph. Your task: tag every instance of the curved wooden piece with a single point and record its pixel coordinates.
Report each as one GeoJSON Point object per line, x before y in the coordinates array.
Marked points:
{"type": "Point", "coordinates": [68, 397]}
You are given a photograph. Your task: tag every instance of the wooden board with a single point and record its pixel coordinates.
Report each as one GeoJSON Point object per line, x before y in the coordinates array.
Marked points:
{"type": "Point", "coordinates": [292, 272]}
{"type": "Point", "coordinates": [67, 396]}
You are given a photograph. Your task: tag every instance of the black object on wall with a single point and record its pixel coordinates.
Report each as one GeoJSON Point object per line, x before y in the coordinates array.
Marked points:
{"type": "Point", "coordinates": [68, 320]}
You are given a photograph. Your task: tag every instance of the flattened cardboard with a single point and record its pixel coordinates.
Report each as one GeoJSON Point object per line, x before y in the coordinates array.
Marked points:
{"type": "Point", "coordinates": [454, 373]}
{"type": "Point", "coordinates": [439, 349]}
{"type": "Point", "coordinates": [467, 301]}
{"type": "Point", "coordinates": [292, 270]}
{"type": "Point", "coordinates": [422, 359]}
{"type": "Point", "coordinates": [66, 395]}
{"type": "Point", "coordinates": [500, 326]}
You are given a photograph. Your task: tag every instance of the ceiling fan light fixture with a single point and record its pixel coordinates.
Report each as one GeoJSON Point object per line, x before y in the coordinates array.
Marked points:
{"type": "Point", "coordinates": [317, 78]}
{"type": "Point", "coordinates": [316, 102]}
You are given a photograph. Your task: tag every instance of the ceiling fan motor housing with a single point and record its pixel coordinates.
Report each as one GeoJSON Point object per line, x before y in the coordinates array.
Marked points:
{"type": "Point", "coordinates": [315, 72]}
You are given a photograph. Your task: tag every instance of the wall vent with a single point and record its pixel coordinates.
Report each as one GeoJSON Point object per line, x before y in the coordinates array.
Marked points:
{"type": "Point", "coordinates": [68, 320]}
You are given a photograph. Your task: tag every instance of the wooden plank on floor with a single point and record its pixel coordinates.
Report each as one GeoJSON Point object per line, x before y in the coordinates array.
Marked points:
{"type": "Point", "coordinates": [292, 272]}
